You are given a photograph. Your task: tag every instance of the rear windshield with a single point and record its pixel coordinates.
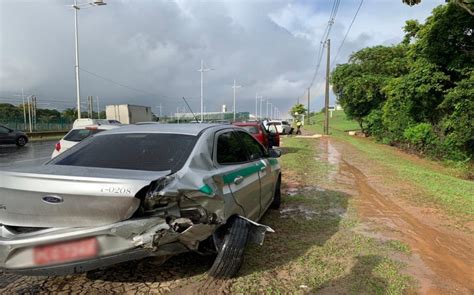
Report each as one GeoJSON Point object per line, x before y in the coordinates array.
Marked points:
{"type": "Point", "coordinates": [80, 134]}
{"type": "Point", "coordinates": [285, 123]}
{"type": "Point", "coordinates": [141, 151]}
{"type": "Point", "coordinates": [251, 129]}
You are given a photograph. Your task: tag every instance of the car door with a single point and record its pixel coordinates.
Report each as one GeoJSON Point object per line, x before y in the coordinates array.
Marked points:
{"type": "Point", "coordinates": [238, 173]}
{"type": "Point", "coordinates": [5, 135]}
{"type": "Point", "coordinates": [267, 178]}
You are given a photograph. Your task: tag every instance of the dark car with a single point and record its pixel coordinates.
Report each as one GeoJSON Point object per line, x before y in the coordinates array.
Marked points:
{"type": "Point", "coordinates": [10, 136]}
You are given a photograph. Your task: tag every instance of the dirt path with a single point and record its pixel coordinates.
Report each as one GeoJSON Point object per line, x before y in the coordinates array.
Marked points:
{"type": "Point", "coordinates": [443, 258]}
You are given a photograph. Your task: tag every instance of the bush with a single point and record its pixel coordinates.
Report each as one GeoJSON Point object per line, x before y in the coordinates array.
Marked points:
{"type": "Point", "coordinates": [421, 135]}
{"type": "Point", "coordinates": [374, 124]}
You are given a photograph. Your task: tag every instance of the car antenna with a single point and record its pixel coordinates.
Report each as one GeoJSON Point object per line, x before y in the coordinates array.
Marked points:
{"type": "Point", "coordinates": [190, 109]}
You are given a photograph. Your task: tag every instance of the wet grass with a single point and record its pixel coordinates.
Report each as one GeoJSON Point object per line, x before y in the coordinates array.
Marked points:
{"type": "Point", "coordinates": [315, 247]}
{"type": "Point", "coordinates": [440, 186]}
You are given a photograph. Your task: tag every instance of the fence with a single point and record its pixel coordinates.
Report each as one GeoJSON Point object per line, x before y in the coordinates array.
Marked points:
{"type": "Point", "coordinates": [60, 125]}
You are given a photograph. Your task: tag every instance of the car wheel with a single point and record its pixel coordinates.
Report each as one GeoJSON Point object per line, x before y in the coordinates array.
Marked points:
{"type": "Point", "coordinates": [21, 141]}
{"type": "Point", "coordinates": [231, 253]}
{"type": "Point", "coordinates": [277, 196]}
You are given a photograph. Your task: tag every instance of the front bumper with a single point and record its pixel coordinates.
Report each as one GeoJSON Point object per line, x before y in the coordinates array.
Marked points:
{"type": "Point", "coordinates": [123, 241]}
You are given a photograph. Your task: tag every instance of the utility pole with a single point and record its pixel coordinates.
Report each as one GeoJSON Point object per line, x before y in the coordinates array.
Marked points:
{"type": "Point", "coordinates": [160, 110]}
{"type": "Point", "coordinates": [256, 104]}
{"type": "Point", "coordinates": [34, 108]}
{"type": "Point", "coordinates": [308, 121]}
{"type": "Point", "coordinates": [29, 112]}
{"type": "Point", "coordinates": [261, 109]}
{"type": "Point", "coordinates": [235, 87]}
{"type": "Point", "coordinates": [202, 70]}
{"type": "Point", "coordinates": [326, 99]}
{"type": "Point", "coordinates": [24, 108]}
{"type": "Point", "coordinates": [98, 108]}
{"type": "Point", "coordinates": [89, 106]}
{"type": "Point", "coordinates": [267, 108]}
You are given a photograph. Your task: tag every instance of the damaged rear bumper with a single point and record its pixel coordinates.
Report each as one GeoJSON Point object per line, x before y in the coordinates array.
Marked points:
{"type": "Point", "coordinates": [120, 242]}
{"type": "Point", "coordinates": [127, 240]}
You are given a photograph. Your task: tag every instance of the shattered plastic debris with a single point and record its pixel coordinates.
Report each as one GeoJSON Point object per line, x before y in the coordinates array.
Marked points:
{"type": "Point", "coordinates": [292, 191]}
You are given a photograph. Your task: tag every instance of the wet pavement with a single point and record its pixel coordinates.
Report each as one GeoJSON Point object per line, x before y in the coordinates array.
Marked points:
{"type": "Point", "coordinates": [34, 153]}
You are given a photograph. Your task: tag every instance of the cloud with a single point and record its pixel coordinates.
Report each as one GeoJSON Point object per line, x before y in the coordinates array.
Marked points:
{"type": "Point", "coordinates": [269, 47]}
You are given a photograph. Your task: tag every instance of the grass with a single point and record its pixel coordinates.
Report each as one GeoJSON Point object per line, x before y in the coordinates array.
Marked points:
{"type": "Point", "coordinates": [440, 186]}
{"type": "Point", "coordinates": [315, 247]}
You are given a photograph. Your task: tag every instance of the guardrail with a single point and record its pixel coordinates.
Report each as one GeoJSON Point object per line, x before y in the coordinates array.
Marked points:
{"type": "Point", "coordinates": [39, 135]}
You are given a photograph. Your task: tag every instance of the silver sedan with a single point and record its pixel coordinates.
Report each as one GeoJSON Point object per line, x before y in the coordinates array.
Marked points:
{"type": "Point", "coordinates": [139, 191]}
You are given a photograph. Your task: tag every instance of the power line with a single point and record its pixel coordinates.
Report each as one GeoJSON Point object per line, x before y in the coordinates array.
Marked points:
{"type": "Point", "coordinates": [327, 31]}
{"type": "Point", "coordinates": [347, 33]}
{"type": "Point", "coordinates": [118, 83]}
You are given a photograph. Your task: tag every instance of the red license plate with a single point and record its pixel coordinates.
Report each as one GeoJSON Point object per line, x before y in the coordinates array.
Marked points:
{"type": "Point", "coordinates": [65, 251]}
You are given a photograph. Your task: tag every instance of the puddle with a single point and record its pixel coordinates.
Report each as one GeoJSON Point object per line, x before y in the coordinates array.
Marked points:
{"type": "Point", "coordinates": [293, 212]}
{"type": "Point", "coordinates": [447, 258]}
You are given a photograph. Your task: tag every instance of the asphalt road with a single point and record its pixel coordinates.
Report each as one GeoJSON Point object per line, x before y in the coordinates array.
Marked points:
{"type": "Point", "coordinates": [34, 153]}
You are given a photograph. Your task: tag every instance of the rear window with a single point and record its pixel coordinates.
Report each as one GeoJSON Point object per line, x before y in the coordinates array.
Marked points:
{"type": "Point", "coordinates": [285, 123]}
{"type": "Point", "coordinates": [80, 134]}
{"type": "Point", "coordinates": [142, 151]}
{"type": "Point", "coordinates": [251, 129]}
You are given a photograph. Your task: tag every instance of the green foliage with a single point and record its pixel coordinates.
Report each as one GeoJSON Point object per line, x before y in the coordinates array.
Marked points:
{"type": "Point", "coordinates": [419, 93]}
{"type": "Point", "coordinates": [374, 124]}
{"type": "Point", "coordinates": [298, 108]}
{"type": "Point", "coordinates": [359, 83]}
{"type": "Point", "coordinates": [420, 135]}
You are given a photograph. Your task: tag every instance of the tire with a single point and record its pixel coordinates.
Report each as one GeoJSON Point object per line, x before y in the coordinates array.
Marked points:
{"type": "Point", "coordinates": [277, 196]}
{"type": "Point", "coordinates": [21, 141]}
{"type": "Point", "coordinates": [231, 254]}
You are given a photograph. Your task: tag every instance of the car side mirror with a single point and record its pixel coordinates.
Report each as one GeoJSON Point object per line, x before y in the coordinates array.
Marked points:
{"type": "Point", "coordinates": [274, 153]}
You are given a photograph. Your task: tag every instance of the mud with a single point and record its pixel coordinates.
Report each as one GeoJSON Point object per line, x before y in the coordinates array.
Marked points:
{"type": "Point", "coordinates": [442, 260]}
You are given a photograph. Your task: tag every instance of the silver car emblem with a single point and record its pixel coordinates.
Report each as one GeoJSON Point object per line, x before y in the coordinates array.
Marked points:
{"type": "Point", "coordinates": [52, 199]}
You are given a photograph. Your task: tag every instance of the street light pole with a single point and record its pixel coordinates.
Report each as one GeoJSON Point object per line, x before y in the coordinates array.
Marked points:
{"type": "Point", "coordinates": [261, 112]}
{"type": "Point", "coordinates": [78, 93]}
{"type": "Point", "coordinates": [256, 104]}
{"type": "Point", "coordinates": [24, 109]}
{"type": "Point", "coordinates": [202, 70]}
{"type": "Point", "coordinates": [76, 8]}
{"type": "Point", "coordinates": [235, 87]}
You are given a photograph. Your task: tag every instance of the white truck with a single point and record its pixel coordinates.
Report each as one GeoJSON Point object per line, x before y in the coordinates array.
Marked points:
{"type": "Point", "coordinates": [128, 114]}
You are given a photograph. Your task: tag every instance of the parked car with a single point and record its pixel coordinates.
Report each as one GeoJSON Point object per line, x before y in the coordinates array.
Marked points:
{"type": "Point", "coordinates": [78, 134]}
{"type": "Point", "coordinates": [283, 127]}
{"type": "Point", "coordinates": [257, 129]}
{"type": "Point", "coordinates": [139, 191]}
{"type": "Point", "coordinates": [10, 136]}
{"type": "Point", "coordinates": [273, 135]}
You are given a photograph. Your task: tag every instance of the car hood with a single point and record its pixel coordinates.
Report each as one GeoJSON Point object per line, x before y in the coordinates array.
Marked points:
{"type": "Point", "coordinates": [70, 196]}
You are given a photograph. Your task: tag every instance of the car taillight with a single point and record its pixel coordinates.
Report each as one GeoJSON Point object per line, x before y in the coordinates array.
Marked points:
{"type": "Point", "coordinates": [58, 146]}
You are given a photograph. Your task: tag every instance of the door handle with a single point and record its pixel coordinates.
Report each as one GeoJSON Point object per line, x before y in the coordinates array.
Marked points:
{"type": "Point", "coordinates": [263, 168]}
{"type": "Point", "coordinates": [238, 179]}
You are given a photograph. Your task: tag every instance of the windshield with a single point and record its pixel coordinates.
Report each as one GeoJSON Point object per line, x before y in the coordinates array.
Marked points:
{"type": "Point", "coordinates": [251, 129]}
{"type": "Point", "coordinates": [77, 135]}
{"type": "Point", "coordinates": [143, 151]}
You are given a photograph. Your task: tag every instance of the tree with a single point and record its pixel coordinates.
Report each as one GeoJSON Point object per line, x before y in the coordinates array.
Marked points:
{"type": "Point", "coordinates": [359, 83]}
{"type": "Point", "coordinates": [467, 5]}
{"type": "Point", "coordinates": [297, 110]}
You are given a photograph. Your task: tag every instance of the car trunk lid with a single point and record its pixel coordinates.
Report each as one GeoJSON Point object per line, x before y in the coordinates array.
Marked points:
{"type": "Point", "coordinates": [67, 196]}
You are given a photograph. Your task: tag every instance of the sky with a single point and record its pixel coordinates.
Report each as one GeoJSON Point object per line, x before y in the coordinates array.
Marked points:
{"type": "Point", "coordinates": [148, 52]}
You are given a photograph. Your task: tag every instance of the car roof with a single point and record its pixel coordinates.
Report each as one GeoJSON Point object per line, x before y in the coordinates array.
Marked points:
{"type": "Point", "coordinates": [101, 127]}
{"type": "Point", "coordinates": [254, 123]}
{"type": "Point", "coordinates": [188, 129]}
